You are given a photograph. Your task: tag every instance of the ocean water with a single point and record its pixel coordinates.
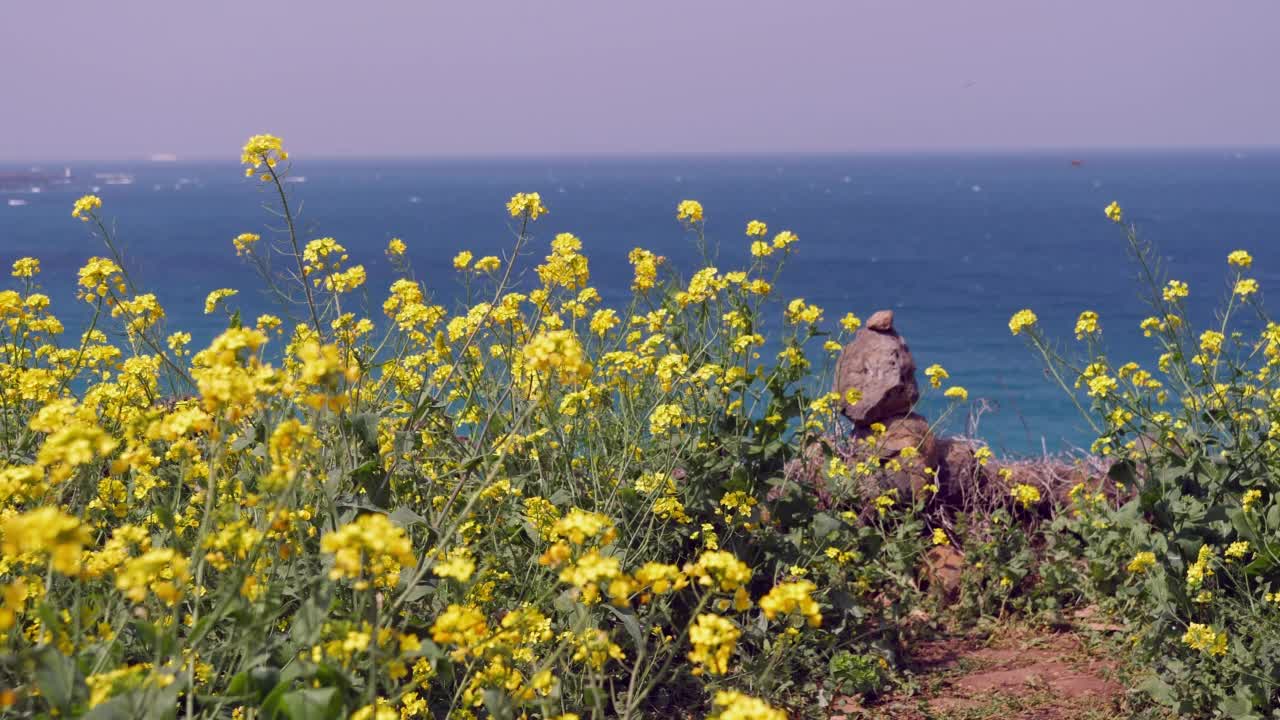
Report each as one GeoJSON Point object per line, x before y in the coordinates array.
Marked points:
{"type": "Point", "coordinates": [954, 244]}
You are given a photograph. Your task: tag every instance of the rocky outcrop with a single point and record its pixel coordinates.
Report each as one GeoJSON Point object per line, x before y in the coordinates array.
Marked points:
{"type": "Point", "coordinates": [914, 468]}
{"type": "Point", "coordinates": [958, 468]}
{"type": "Point", "coordinates": [879, 365]}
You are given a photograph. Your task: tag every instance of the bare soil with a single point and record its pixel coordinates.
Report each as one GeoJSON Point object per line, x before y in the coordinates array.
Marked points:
{"type": "Point", "coordinates": [1013, 673]}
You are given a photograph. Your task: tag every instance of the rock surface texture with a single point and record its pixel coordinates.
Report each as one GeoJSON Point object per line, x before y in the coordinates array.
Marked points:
{"type": "Point", "coordinates": [879, 365]}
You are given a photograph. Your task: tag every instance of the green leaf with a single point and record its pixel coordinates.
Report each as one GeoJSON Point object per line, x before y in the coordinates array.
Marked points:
{"type": "Point", "coordinates": [498, 704]}
{"type": "Point", "coordinates": [370, 477]}
{"type": "Point", "coordinates": [825, 524]}
{"type": "Point", "coordinates": [1122, 472]}
{"type": "Point", "coordinates": [630, 623]}
{"type": "Point", "coordinates": [244, 442]}
{"type": "Point", "coordinates": [405, 517]}
{"type": "Point", "coordinates": [1159, 690]}
{"type": "Point", "coordinates": [365, 426]}
{"type": "Point", "coordinates": [263, 680]}
{"type": "Point", "coordinates": [117, 708]}
{"type": "Point", "coordinates": [307, 622]}
{"type": "Point", "coordinates": [1238, 708]}
{"type": "Point", "coordinates": [311, 704]}
{"type": "Point", "coordinates": [1263, 562]}
{"type": "Point", "coordinates": [58, 678]}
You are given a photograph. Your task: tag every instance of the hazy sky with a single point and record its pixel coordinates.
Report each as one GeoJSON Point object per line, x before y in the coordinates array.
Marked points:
{"type": "Point", "coordinates": [127, 78]}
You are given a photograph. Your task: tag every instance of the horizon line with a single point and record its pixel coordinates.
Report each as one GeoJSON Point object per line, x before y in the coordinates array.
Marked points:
{"type": "Point", "coordinates": [994, 150]}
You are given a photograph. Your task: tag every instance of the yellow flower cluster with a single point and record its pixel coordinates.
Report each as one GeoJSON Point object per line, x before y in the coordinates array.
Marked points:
{"type": "Point", "coordinates": [713, 639]}
{"type": "Point", "coordinates": [665, 417]}
{"type": "Point", "coordinates": [801, 313]}
{"type": "Point", "coordinates": [1205, 639]}
{"type": "Point", "coordinates": [98, 277]}
{"type": "Point", "coordinates": [558, 354]}
{"type": "Point", "coordinates": [262, 150]}
{"type": "Point", "coordinates": [792, 597]}
{"type": "Point", "coordinates": [370, 549]}
{"type": "Point", "coordinates": [46, 531]}
{"type": "Point", "coordinates": [733, 705]}
{"type": "Point", "coordinates": [161, 571]}
{"type": "Point", "coordinates": [1174, 291]}
{"type": "Point", "coordinates": [936, 374]}
{"type": "Point", "coordinates": [1025, 495]}
{"type": "Point", "coordinates": [27, 267]}
{"type": "Point", "coordinates": [1200, 569]}
{"type": "Point", "coordinates": [719, 570]}
{"type": "Point", "coordinates": [1240, 258]}
{"type": "Point", "coordinates": [1141, 562]}
{"type": "Point", "coordinates": [689, 211]}
{"type": "Point", "coordinates": [1114, 213]}
{"type": "Point", "coordinates": [1086, 324]}
{"type": "Point", "coordinates": [215, 298]}
{"type": "Point", "coordinates": [1022, 321]}
{"type": "Point", "coordinates": [1249, 499]}
{"type": "Point", "coordinates": [646, 269]}
{"type": "Point", "coordinates": [244, 243]}
{"type": "Point", "coordinates": [526, 204]}
{"type": "Point", "coordinates": [85, 207]}
{"type": "Point", "coordinates": [373, 475]}
{"type": "Point", "coordinates": [565, 267]}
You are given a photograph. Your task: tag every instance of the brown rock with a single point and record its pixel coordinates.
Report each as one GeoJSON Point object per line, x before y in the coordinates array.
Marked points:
{"type": "Point", "coordinates": [903, 432]}
{"type": "Point", "coordinates": [958, 470]}
{"type": "Point", "coordinates": [878, 363]}
{"type": "Point", "coordinates": [882, 320]}
{"type": "Point", "coordinates": [942, 570]}
{"type": "Point", "coordinates": [910, 431]}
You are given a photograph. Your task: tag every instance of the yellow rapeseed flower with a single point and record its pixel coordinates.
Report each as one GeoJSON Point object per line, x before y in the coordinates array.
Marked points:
{"type": "Point", "coordinates": [26, 267]}
{"type": "Point", "coordinates": [1025, 495]}
{"type": "Point", "coordinates": [1205, 639]}
{"type": "Point", "coordinates": [46, 531]}
{"type": "Point", "coordinates": [371, 548]}
{"type": "Point", "coordinates": [1141, 562]}
{"type": "Point", "coordinates": [1086, 324]}
{"type": "Point", "coordinates": [1174, 291]}
{"type": "Point", "coordinates": [1021, 320]}
{"type": "Point", "coordinates": [712, 639]}
{"type": "Point", "coordinates": [262, 150]}
{"type": "Point", "coordinates": [1113, 211]}
{"type": "Point", "coordinates": [1237, 550]}
{"type": "Point", "coordinates": [529, 204]}
{"type": "Point", "coordinates": [85, 206]}
{"type": "Point", "coordinates": [1249, 499]}
{"type": "Point", "coordinates": [689, 211]}
{"type": "Point", "coordinates": [936, 374]}
{"type": "Point", "coordinates": [733, 705]}
{"type": "Point", "coordinates": [244, 243]}
{"type": "Point", "coordinates": [1211, 342]}
{"type": "Point", "coordinates": [213, 299]}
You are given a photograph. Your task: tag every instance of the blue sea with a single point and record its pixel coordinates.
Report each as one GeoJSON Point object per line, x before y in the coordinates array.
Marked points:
{"type": "Point", "coordinates": [952, 243]}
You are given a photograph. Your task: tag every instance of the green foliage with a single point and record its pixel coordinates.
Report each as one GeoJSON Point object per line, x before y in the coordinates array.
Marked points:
{"type": "Point", "coordinates": [530, 505]}
{"type": "Point", "coordinates": [1182, 541]}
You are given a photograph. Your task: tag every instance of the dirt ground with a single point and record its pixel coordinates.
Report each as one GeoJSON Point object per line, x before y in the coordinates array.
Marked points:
{"type": "Point", "coordinates": [1012, 673]}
